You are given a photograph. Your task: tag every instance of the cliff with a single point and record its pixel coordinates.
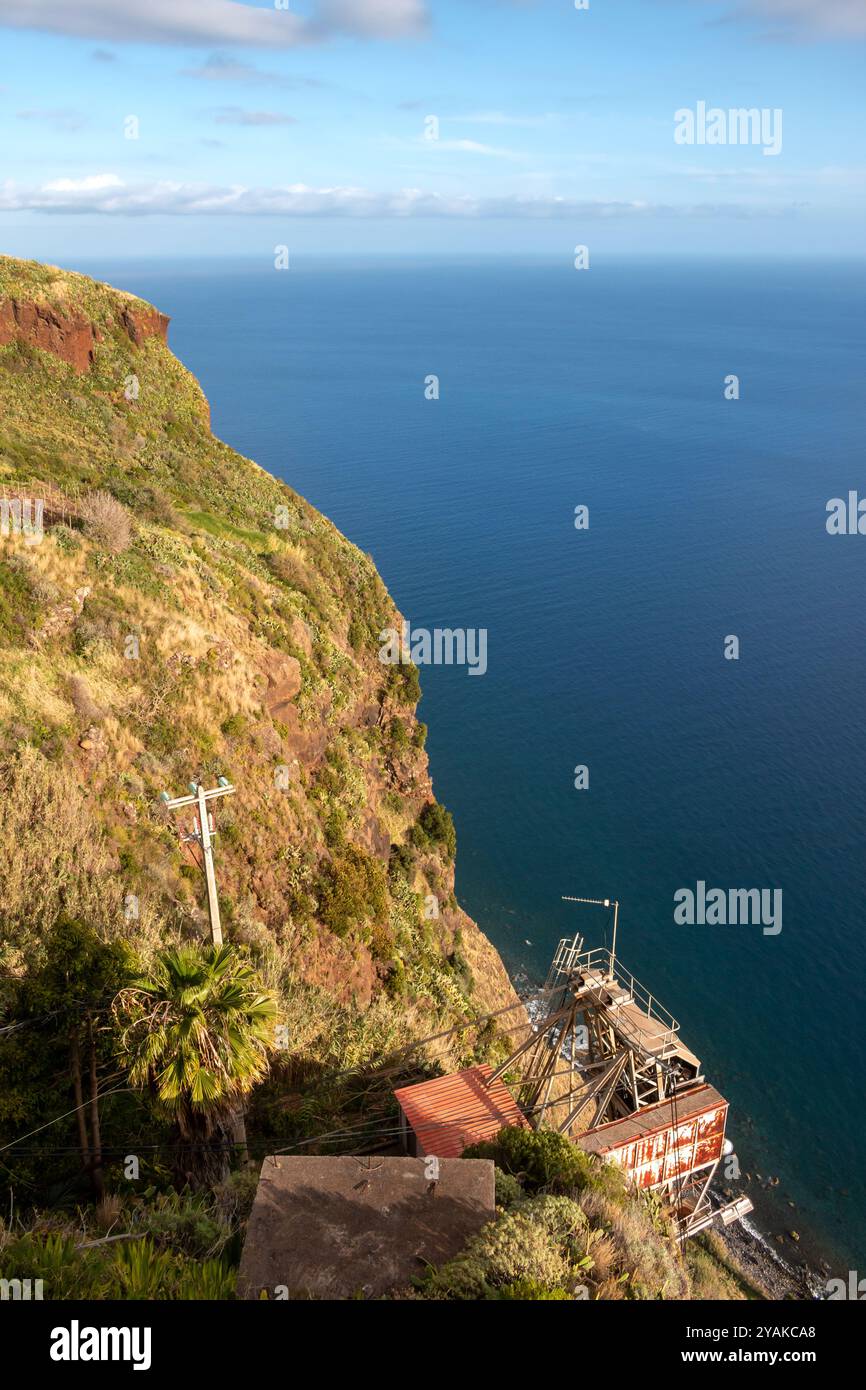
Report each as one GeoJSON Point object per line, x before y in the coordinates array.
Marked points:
{"type": "Point", "coordinates": [171, 609]}
{"type": "Point", "coordinates": [67, 316]}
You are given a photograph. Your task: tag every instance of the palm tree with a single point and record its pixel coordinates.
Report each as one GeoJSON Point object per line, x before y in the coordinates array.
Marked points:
{"type": "Point", "coordinates": [196, 1033]}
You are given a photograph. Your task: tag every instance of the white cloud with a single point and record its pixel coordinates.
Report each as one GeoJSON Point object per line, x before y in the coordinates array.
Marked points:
{"type": "Point", "coordinates": [236, 115]}
{"type": "Point", "coordinates": [468, 147]}
{"type": "Point", "coordinates": [381, 19]}
{"type": "Point", "coordinates": [108, 194]}
{"type": "Point", "coordinates": [843, 177]}
{"type": "Point", "coordinates": [157, 21]}
{"type": "Point", "coordinates": [222, 23]}
{"type": "Point", "coordinates": [219, 68]}
{"type": "Point", "coordinates": [803, 19]}
{"type": "Point", "coordinates": [65, 119]}
{"type": "Point", "coordinates": [503, 119]}
{"type": "Point", "coordinates": [419, 144]}
{"type": "Point", "coordinates": [93, 183]}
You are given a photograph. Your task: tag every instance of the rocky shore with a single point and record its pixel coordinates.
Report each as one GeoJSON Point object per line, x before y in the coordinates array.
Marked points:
{"type": "Point", "coordinates": [766, 1268]}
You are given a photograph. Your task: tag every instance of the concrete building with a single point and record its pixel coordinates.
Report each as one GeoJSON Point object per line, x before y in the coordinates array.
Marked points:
{"type": "Point", "coordinates": [332, 1228]}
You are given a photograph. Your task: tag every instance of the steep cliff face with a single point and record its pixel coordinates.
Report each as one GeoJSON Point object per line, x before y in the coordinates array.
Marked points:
{"type": "Point", "coordinates": [71, 338]}
{"type": "Point", "coordinates": [181, 612]}
{"type": "Point", "coordinates": [35, 310]}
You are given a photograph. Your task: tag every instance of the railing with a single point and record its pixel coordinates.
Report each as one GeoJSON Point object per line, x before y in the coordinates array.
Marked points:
{"type": "Point", "coordinates": [600, 958]}
{"type": "Point", "coordinates": [570, 959]}
{"type": "Point", "coordinates": [565, 959]}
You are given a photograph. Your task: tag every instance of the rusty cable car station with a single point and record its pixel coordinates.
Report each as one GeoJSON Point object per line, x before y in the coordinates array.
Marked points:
{"type": "Point", "coordinates": [604, 1064]}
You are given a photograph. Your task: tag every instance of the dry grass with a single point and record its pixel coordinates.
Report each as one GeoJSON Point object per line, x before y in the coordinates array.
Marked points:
{"type": "Point", "coordinates": [654, 1267]}
{"type": "Point", "coordinates": [107, 522]}
{"type": "Point", "coordinates": [27, 689]}
{"type": "Point", "coordinates": [54, 857]}
{"type": "Point", "coordinates": [713, 1273]}
{"type": "Point", "coordinates": [108, 1211]}
{"type": "Point", "coordinates": [83, 702]}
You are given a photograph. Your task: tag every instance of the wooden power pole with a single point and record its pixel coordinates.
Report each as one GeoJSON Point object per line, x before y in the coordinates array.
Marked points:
{"type": "Point", "coordinates": [202, 836]}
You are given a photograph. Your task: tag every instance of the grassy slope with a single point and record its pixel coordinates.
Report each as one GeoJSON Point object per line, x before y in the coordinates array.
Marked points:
{"type": "Point", "coordinates": [233, 587]}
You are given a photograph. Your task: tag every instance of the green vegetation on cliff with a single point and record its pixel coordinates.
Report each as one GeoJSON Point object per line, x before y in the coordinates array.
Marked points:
{"type": "Point", "coordinates": [183, 613]}
{"type": "Point", "coordinates": [567, 1228]}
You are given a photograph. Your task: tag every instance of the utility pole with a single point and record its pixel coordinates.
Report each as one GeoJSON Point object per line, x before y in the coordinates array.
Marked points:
{"type": "Point", "coordinates": [603, 902]}
{"type": "Point", "coordinates": [202, 836]}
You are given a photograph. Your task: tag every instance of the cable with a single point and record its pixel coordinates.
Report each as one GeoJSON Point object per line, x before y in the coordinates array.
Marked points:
{"type": "Point", "coordinates": [481, 1021]}
{"type": "Point", "coordinates": [370, 1126]}
{"type": "Point", "coordinates": [64, 1116]}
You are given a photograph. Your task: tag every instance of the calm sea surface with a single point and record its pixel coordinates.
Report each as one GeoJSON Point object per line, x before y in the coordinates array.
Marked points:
{"type": "Point", "coordinates": [605, 646]}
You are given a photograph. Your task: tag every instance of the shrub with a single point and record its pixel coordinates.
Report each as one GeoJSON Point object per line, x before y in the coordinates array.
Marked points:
{"type": "Point", "coordinates": [184, 1221]}
{"type": "Point", "coordinates": [151, 503]}
{"type": "Point", "coordinates": [435, 826]}
{"type": "Point", "coordinates": [352, 891]}
{"type": "Point", "coordinates": [234, 725]}
{"type": "Point", "coordinates": [235, 1196]}
{"type": "Point", "coordinates": [290, 568]}
{"type": "Point", "coordinates": [107, 522]}
{"type": "Point", "coordinates": [41, 590]}
{"type": "Point", "coordinates": [540, 1245]}
{"type": "Point", "coordinates": [403, 684]}
{"type": "Point", "coordinates": [66, 540]}
{"type": "Point", "coordinates": [544, 1160]}
{"type": "Point", "coordinates": [609, 1181]}
{"type": "Point", "coordinates": [401, 862]}
{"type": "Point", "coordinates": [157, 506]}
{"type": "Point", "coordinates": [530, 1290]}
{"type": "Point", "coordinates": [357, 634]}
{"type": "Point", "coordinates": [399, 734]}
{"type": "Point", "coordinates": [297, 882]}
{"type": "Point", "coordinates": [18, 611]}
{"type": "Point", "coordinates": [460, 968]}
{"type": "Point", "coordinates": [508, 1189]}
{"type": "Point", "coordinates": [334, 826]}
{"type": "Point", "coordinates": [550, 1246]}
{"type": "Point", "coordinates": [647, 1262]}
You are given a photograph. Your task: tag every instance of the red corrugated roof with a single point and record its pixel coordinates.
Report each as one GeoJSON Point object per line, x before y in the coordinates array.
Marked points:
{"type": "Point", "coordinates": [452, 1112]}
{"type": "Point", "coordinates": [665, 1141]}
{"type": "Point", "coordinates": [653, 1119]}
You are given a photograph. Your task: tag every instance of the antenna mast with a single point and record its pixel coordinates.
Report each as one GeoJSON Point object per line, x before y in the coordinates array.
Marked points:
{"type": "Point", "coordinates": [602, 902]}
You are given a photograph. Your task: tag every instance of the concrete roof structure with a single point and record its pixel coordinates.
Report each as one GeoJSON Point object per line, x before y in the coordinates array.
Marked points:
{"type": "Point", "coordinates": [331, 1228]}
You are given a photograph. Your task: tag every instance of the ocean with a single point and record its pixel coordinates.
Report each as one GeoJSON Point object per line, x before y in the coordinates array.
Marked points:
{"type": "Point", "coordinates": [605, 646]}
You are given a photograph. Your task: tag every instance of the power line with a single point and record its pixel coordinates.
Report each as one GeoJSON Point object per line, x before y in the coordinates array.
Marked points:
{"type": "Point", "coordinates": [64, 1116]}
{"type": "Point", "coordinates": [478, 1022]}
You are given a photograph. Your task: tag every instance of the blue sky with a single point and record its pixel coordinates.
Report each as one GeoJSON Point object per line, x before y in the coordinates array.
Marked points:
{"type": "Point", "coordinates": [308, 126]}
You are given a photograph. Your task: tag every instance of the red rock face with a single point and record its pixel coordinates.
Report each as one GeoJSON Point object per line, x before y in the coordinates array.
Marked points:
{"type": "Point", "coordinates": [145, 323]}
{"type": "Point", "coordinates": [284, 682]}
{"type": "Point", "coordinates": [71, 337]}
